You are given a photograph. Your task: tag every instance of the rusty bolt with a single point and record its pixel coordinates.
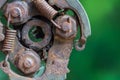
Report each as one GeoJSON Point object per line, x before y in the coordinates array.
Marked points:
{"type": "Point", "coordinates": [19, 12]}
{"type": "Point", "coordinates": [29, 62]}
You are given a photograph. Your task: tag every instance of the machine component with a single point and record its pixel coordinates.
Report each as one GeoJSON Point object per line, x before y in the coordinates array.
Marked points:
{"type": "Point", "coordinates": [18, 11]}
{"type": "Point", "coordinates": [58, 58]}
{"type": "Point", "coordinates": [28, 62]}
{"type": "Point", "coordinates": [46, 29]}
{"type": "Point", "coordinates": [45, 9]}
{"type": "Point", "coordinates": [54, 30]}
{"type": "Point", "coordinates": [59, 53]}
{"type": "Point", "coordinates": [8, 45]}
{"type": "Point", "coordinates": [11, 74]}
{"type": "Point", "coordinates": [2, 36]}
{"type": "Point", "coordinates": [84, 23]}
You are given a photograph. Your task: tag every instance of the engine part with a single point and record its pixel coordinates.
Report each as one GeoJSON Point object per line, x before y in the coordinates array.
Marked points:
{"type": "Point", "coordinates": [54, 32]}
{"type": "Point", "coordinates": [8, 45]}
{"type": "Point", "coordinates": [2, 36]}
{"type": "Point", "coordinates": [47, 35]}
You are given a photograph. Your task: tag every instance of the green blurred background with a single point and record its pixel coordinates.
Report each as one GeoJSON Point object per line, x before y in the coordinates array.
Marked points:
{"type": "Point", "coordinates": [101, 58]}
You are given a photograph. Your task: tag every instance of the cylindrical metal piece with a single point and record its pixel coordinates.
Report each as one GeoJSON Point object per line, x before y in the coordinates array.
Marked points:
{"type": "Point", "coordinates": [45, 9]}
{"type": "Point", "coordinates": [8, 45]}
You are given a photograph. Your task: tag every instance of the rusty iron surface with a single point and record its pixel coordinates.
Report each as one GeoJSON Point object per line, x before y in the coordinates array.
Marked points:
{"type": "Point", "coordinates": [53, 31]}
{"type": "Point", "coordinates": [2, 36]}
{"type": "Point", "coordinates": [46, 28]}
{"type": "Point", "coordinates": [2, 2]}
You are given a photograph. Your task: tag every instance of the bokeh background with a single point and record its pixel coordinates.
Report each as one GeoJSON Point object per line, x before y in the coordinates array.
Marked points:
{"type": "Point", "coordinates": [101, 58]}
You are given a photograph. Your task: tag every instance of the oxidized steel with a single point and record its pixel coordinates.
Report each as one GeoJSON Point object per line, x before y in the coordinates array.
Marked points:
{"type": "Point", "coordinates": [46, 28]}
{"type": "Point", "coordinates": [2, 36]}
{"type": "Point", "coordinates": [45, 9]}
{"type": "Point", "coordinates": [68, 27]}
{"type": "Point", "coordinates": [28, 62]}
{"type": "Point", "coordinates": [18, 11]}
{"type": "Point", "coordinates": [55, 29]}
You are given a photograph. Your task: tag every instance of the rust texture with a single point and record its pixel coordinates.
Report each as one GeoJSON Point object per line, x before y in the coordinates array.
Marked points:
{"type": "Point", "coordinates": [41, 32]}
{"type": "Point", "coordinates": [45, 9]}
{"type": "Point", "coordinates": [2, 36]}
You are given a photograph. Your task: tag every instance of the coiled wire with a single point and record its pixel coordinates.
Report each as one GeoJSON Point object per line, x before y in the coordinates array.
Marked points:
{"type": "Point", "coordinates": [45, 9]}
{"type": "Point", "coordinates": [9, 41]}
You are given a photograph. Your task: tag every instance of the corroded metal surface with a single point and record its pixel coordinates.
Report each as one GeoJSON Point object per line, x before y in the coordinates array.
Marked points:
{"type": "Point", "coordinates": [28, 62]}
{"type": "Point", "coordinates": [84, 23]}
{"type": "Point", "coordinates": [53, 31]}
{"type": "Point", "coordinates": [46, 31]}
{"type": "Point", "coordinates": [2, 2]}
{"type": "Point", "coordinates": [45, 9]}
{"type": "Point", "coordinates": [2, 36]}
{"type": "Point", "coordinates": [18, 11]}
{"type": "Point", "coordinates": [8, 45]}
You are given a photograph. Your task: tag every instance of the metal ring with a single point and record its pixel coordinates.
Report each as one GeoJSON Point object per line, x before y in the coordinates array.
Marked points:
{"type": "Point", "coordinates": [46, 30]}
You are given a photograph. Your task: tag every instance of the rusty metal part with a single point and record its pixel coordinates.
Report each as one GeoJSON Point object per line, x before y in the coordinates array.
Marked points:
{"type": "Point", "coordinates": [2, 2]}
{"type": "Point", "coordinates": [12, 75]}
{"type": "Point", "coordinates": [84, 23]}
{"type": "Point", "coordinates": [58, 58]}
{"type": "Point", "coordinates": [8, 45]}
{"type": "Point", "coordinates": [68, 27]}
{"type": "Point", "coordinates": [45, 9]}
{"type": "Point", "coordinates": [28, 62]}
{"type": "Point", "coordinates": [57, 42]}
{"type": "Point", "coordinates": [46, 28]}
{"type": "Point", "coordinates": [2, 36]}
{"type": "Point", "coordinates": [57, 61]}
{"type": "Point", "coordinates": [19, 11]}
